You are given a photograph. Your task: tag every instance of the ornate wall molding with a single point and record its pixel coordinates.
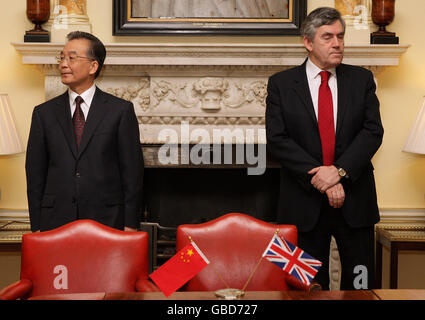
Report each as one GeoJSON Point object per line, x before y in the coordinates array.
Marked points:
{"type": "Point", "coordinates": [213, 54]}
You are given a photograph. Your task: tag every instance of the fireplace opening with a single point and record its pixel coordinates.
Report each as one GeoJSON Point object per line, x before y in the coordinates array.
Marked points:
{"type": "Point", "coordinates": [174, 196]}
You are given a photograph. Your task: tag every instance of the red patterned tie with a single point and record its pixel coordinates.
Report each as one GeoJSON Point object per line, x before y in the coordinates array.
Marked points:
{"type": "Point", "coordinates": [326, 120]}
{"type": "Point", "coordinates": [78, 120]}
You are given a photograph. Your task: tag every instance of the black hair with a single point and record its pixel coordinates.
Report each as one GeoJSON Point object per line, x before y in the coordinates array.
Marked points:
{"type": "Point", "coordinates": [96, 51]}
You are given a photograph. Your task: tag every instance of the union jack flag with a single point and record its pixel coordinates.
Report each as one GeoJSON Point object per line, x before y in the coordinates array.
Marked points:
{"type": "Point", "coordinates": [292, 259]}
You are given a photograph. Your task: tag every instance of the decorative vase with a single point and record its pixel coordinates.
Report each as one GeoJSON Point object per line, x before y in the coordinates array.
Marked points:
{"type": "Point", "coordinates": [38, 12]}
{"type": "Point", "coordinates": [383, 12]}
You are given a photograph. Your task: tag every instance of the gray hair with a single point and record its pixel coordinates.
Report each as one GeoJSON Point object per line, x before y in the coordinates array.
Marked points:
{"type": "Point", "coordinates": [319, 17]}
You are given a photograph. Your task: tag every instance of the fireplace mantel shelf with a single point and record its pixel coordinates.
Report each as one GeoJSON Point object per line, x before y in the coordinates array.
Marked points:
{"type": "Point", "coordinates": [201, 54]}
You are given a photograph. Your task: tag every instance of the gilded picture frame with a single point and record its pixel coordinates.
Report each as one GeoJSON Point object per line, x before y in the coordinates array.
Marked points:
{"type": "Point", "coordinates": [209, 17]}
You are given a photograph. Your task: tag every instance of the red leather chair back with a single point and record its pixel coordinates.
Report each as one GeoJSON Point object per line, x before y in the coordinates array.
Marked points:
{"type": "Point", "coordinates": [233, 244]}
{"type": "Point", "coordinates": [84, 256]}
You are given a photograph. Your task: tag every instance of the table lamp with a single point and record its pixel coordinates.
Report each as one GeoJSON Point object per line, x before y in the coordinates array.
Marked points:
{"type": "Point", "coordinates": [416, 140]}
{"type": "Point", "coordinates": [10, 141]}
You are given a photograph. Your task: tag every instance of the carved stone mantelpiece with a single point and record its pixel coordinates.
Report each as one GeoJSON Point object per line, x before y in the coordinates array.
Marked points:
{"type": "Point", "coordinates": [211, 86]}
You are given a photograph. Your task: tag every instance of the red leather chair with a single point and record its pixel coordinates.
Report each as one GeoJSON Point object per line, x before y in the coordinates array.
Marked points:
{"type": "Point", "coordinates": [234, 243]}
{"type": "Point", "coordinates": [81, 257]}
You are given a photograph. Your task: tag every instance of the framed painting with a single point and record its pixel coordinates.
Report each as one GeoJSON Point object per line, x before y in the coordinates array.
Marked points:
{"type": "Point", "coordinates": [210, 17]}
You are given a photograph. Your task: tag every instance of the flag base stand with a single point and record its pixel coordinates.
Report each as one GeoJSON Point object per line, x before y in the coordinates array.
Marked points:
{"type": "Point", "coordinates": [229, 294]}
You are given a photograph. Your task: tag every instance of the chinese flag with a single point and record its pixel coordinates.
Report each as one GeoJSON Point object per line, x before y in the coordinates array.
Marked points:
{"type": "Point", "coordinates": [182, 267]}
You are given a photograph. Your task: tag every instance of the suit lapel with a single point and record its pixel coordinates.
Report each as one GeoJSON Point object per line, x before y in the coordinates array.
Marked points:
{"type": "Point", "coordinates": [97, 112]}
{"type": "Point", "coordinates": [343, 97]}
{"type": "Point", "coordinates": [63, 115]}
{"type": "Point", "coordinates": [303, 91]}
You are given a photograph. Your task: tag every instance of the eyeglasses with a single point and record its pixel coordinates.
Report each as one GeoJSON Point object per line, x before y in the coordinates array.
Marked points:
{"type": "Point", "coordinates": [70, 59]}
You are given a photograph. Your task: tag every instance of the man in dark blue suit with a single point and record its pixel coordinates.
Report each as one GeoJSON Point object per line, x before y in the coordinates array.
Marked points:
{"type": "Point", "coordinates": [84, 158]}
{"type": "Point", "coordinates": [323, 125]}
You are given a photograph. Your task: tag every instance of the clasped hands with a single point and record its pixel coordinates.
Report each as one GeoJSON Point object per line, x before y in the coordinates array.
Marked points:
{"type": "Point", "coordinates": [326, 180]}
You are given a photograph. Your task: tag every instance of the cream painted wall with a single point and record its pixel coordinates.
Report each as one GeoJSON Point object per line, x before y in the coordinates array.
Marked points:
{"type": "Point", "coordinates": [25, 87]}
{"type": "Point", "coordinates": [401, 176]}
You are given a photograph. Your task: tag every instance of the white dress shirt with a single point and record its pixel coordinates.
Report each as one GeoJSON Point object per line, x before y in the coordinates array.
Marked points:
{"type": "Point", "coordinates": [314, 80]}
{"type": "Point", "coordinates": [87, 97]}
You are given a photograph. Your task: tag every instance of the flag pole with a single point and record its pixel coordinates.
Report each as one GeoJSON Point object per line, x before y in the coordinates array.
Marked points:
{"type": "Point", "coordinates": [256, 267]}
{"type": "Point", "coordinates": [215, 271]}
{"type": "Point", "coordinates": [252, 273]}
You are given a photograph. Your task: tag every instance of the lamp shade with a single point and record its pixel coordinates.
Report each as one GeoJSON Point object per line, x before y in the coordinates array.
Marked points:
{"type": "Point", "coordinates": [10, 141]}
{"type": "Point", "coordinates": [416, 141]}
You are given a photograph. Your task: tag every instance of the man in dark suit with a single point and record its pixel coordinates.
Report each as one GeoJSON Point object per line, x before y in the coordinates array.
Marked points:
{"type": "Point", "coordinates": [84, 158]}
{"type": "Point", "coordinates": [323, 125]}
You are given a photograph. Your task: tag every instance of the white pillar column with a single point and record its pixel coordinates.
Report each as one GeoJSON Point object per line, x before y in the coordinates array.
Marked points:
{"type": "Point", "coordinates": [357, 15]}
{"type": "Point", "coordinates": [69, 15]}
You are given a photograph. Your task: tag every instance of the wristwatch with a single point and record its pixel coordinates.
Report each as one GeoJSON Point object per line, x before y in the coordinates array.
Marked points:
{"type": "Point", "coordinates": [342, 173]}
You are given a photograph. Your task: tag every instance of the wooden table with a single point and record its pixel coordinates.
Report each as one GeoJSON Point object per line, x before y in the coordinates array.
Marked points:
{"type": "Point", "coordinates": [400, 294]}
{"type": "Point", "coordinates": [250, 295]}
{"type": "Point", "coordinates": [395, 239]}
